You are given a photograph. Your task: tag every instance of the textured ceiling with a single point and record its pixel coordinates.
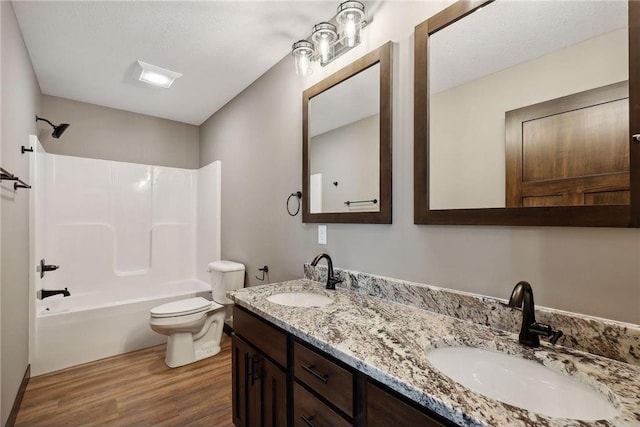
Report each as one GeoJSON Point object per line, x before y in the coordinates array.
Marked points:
{"type": "Point", "coordinates": [87, 50]}
{"type": "Point", "coordinates": [477, 46]}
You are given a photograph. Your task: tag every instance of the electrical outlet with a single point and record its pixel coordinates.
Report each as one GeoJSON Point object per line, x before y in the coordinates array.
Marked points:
{"type": "Point", "coordinates": [322, 234]}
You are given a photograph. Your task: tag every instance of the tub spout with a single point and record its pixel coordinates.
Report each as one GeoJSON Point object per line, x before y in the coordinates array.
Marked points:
{"type": "Point", "coordinates": [43, 293]}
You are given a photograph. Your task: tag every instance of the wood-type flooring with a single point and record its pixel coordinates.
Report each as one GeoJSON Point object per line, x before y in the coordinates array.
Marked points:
{"type": "Point", "coordinates": [133, 389]}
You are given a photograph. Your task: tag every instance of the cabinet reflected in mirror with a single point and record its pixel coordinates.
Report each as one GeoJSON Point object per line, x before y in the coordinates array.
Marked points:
{"type": "Point", "coordinates": [522, 114]}
{"type": "Point", "coordinates": [347, 143]}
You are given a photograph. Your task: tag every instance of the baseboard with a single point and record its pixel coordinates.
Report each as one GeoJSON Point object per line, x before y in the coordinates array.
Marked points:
{"type": "Point", "coordinates": [16, 404]}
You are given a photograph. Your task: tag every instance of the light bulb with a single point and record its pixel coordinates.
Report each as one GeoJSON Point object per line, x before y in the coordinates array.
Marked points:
{"type": "Point", "coordinates": [303, 65]}
{"type": "Point", "coordinates": [324, 37]}
{"type": "Point", "coordinates": [350, 33]}
{"type": "Point", "coordinates": [350, 17]}
{"type": "Point", "coordinates": [324, 49]}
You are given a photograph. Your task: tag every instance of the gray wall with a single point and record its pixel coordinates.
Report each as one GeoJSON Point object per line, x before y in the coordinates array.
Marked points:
{"type": "Point", "coordinates": [106, 133]}
{"type": "Point", "coordinates": [350, 156]}
{"type": "Point", "coordinates": [258, 137]}
{"type": "Point", "coordinates": [20, 102]}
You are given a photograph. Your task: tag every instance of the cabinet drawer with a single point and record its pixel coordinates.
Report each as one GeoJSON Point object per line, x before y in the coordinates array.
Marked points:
{"type": "Point", "coordinates": [384, 410]}
{"type": "Point", "coordinates": [261, 334]}
{"type": "Point", "coordinates": [331, 381]}
{"type": "Point", "coordinates": [309, 411]}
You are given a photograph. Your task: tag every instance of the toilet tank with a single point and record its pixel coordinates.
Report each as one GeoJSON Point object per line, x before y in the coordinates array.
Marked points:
{"type": "Point", "coordinates": [225, 276]}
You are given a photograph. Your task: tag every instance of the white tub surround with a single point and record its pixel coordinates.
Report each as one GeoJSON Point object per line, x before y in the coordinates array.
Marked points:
{"type": "Point", "coordinates": [124, 236]}
{"type": "Point", "coordinates": [389, 341]}
{"type": "Point", "coordinates": [111, 223]}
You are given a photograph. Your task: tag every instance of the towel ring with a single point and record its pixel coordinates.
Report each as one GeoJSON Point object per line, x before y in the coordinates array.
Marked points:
{"type": "Point", "coordinates": [298, 196]}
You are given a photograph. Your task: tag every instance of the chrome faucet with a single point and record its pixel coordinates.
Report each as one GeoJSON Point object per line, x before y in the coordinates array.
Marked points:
{"type": "Point", "coordinates": [332, 281]}
{"type": "Point", "coordinates": [530, 331]}
{"type": "Point", "coordinates": [43, 293]}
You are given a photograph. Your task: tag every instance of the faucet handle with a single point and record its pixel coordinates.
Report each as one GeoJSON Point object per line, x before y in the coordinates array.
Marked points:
{"type": "Point", "coordinates": [547, 331]}
{"type": "Point", "coordinates": [332, 281]}
{"type": "Point", "coordinates": [555, 337]}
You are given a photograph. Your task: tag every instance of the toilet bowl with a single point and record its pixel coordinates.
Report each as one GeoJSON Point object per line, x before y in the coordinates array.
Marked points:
{"type": "Point", "coordinates": [194, 327]}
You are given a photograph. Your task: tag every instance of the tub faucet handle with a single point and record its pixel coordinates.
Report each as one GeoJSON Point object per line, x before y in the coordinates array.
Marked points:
{"type": "Point", "coordinates": [46, 267]}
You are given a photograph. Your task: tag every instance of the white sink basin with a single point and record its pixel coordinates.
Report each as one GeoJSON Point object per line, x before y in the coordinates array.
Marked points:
{"type": "Point", "coordinates": [300, 299]}
{"type": "Point", "coordinates": [522, 383]}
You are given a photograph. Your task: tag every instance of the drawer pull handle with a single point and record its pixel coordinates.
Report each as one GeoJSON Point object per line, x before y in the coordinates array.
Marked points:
{"type": "Point", "coordinates": [323, 378]}
{"type": "Point", "coordinates": [308, 421]}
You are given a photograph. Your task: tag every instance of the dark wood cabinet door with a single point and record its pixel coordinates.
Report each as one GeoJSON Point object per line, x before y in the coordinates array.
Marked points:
{"type": "Point", "coordinates": [240, 359]}
{"type": "Point", "coordinates": [245, 384]}
{"type": "Point", "coordinates": [274, 395]}
{"type": "Point", "coordinates": [259, 388]}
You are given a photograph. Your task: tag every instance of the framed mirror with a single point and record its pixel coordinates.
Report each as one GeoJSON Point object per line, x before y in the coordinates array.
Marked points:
{"type": "Point", "coordinates": [525, 114]}
{"type": "Point", "coordinates": [346, 143]}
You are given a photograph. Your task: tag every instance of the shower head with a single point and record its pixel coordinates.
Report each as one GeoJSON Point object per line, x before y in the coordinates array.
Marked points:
{"type": "Point", "coordinates": [57, 130]}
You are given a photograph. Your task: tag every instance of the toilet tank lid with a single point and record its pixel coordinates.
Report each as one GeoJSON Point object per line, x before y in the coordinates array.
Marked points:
{"type": "Point", "coordinates": [225, 266]}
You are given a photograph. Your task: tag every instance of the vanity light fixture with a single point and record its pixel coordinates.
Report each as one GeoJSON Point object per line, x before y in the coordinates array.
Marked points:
{"type": "Point", "coordinates": [157, 76]}
{"type": "Point", "coordinates": [327, 41]}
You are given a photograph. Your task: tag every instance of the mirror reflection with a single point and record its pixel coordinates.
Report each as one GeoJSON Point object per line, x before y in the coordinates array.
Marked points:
{"type": "Point", "coordinates": [344, 146]}
{"type": "Point", "coordinates": [528, 106]}
{"type": "Point", "coordinates": [347, 144]}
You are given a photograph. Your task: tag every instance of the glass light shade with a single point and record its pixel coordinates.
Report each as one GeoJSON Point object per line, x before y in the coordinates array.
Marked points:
{"type": "Point", "coordinates": [349, 18]}
{"type": "Point", "coordinates": [302, 52]}
{"type": "Point", "coordinates": [324, 38]}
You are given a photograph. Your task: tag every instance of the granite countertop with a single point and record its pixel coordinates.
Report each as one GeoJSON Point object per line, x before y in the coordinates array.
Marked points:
{"type": "Point", "coordinates": [388, 342]}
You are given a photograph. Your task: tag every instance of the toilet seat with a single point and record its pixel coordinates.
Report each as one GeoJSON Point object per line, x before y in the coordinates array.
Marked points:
{"type": "Point", "coordinates": [183, 307]}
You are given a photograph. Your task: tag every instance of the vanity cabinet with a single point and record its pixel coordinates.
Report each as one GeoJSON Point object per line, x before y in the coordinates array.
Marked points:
{"type": "Point", "coordinates": [281, 381]}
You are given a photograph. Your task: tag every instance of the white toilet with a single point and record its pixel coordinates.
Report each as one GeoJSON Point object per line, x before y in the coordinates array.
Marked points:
{"type": "Point", "coordinates": [194, 325]}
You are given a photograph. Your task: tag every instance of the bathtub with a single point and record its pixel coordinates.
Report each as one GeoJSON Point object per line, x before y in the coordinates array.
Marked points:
{"type": "Point", "coordinates": [91, 326]}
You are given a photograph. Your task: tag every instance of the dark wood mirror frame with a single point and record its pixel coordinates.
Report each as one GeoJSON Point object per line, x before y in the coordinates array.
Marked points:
{"type": "Point", "coordinates": [583, 216]}
{"type": "Point", "coordinates": [383, 56]}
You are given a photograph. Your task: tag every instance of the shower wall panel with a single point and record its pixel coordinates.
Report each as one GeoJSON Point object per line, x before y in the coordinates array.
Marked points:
{"type": "Point", "coordinates": [131, 190]}
{"type": "Point", "coordinates": [111, 223]}
{"type": "Point", "coordinates": [208, 218]}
